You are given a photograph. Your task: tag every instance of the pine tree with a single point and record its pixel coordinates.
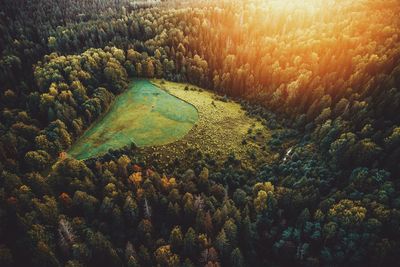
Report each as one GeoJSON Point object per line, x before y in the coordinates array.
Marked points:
{"type": "Point", "coordinates": [189, 243]}
{"type": "Point", "coordinates": [176, 239]}
{"type": "Point", "coordinates": [237, 258]}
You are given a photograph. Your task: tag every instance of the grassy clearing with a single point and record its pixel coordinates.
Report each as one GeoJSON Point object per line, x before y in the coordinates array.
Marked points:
{"type": "Point", "coordinates": [223, 128]}
{"type": "Point", "coordinates": [144, 115]}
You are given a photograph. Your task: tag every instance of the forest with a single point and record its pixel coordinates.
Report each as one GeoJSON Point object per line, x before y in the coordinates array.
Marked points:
{"type": "Point", "coordinates": [322, 76]}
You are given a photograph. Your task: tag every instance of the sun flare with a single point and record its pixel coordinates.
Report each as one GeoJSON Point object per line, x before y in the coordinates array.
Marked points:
{"type": "Point", "coordinates": [304, 7]}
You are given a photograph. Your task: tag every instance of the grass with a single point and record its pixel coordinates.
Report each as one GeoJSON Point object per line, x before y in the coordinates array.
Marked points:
{"type": "Point", "coordinates": [166, 123]}
{"type": "Point", "coordinates": [143, 115]}
{"type": "Point", "coordinates": [222, 129]}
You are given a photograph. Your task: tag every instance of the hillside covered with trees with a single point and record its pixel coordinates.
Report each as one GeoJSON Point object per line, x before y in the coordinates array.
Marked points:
{"type": "Point", "coordinates": [324, 75]}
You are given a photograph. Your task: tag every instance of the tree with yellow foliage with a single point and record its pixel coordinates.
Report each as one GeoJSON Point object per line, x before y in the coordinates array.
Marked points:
{"type": "Point", "coordinates": [165, 257]}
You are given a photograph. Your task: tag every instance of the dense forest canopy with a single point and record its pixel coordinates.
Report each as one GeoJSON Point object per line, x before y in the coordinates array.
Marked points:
{"type": "Point", "coordinates": [323, 73]}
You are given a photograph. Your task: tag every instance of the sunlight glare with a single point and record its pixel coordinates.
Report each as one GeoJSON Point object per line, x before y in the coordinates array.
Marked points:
{"type": "Point", "coordinates": [308, 6]}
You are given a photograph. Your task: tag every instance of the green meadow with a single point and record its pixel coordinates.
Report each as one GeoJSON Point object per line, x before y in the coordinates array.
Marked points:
{"type": "Point", "coordinates": [144, 115]}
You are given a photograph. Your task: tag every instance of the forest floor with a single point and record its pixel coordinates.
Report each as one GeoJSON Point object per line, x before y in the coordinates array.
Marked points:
{"type": "Point", "coordinates": [223, 128]}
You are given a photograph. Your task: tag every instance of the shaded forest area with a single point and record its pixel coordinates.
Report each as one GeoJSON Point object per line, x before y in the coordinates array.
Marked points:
{"type": "Point", "coordinates": [329, 77]}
